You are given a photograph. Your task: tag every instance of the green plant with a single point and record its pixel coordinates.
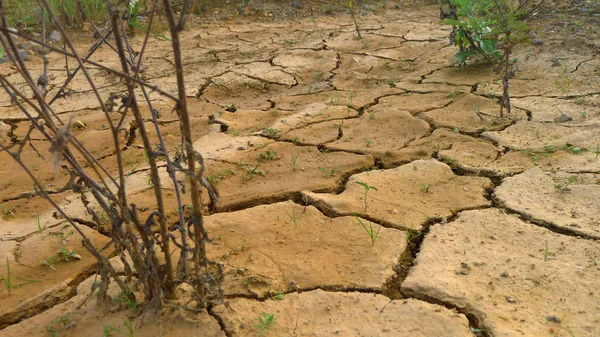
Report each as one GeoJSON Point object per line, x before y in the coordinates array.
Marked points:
{"type": "Point", "coordinates": [597, 152]}
{"type": "Point", "coordinates": [279, 297]}
{"type": "Point", "coordinates": [271, 132]}
{"type": "Point", "coordinates": [449, 160]}
{"type": "Point", "coordinates": [294, 161]}
{"type": "Point", "coordinates": [125, 297]}
{"type": "Point", "coordinates": [328, 173]}
{"type": "Point", "coordinates": [490, 28]}
{"type": "Point", "coordinates": [549, 148]}
{"type": "Point", "coordinates": [130, 161]}
{"type": "Point", "coordinates": [218, 176]}
{"type": "Point", "coordinates": [546, 252]}
{"type": "Point", "coordinates": [368, 142]}
{"type": "Point", "coordinates": [134, 23]}
{"type": "Point", "coordinates": [49, 262]}
{"type": "Point", "coordinates": [350, 5]}
{"type": "Point", "coordinates": [411, 235]}
{"type": "Point", "coordinates": [58, 325]}
{"type": "Point", "coordinates": [452, 95]}
{"type": "Point", "coordinates": [572, 148]}
{"type": "Point", "coordinates": [251, 170]}
{"type": "Point", "coordinates": [39, 225]}
{"type": "Point", "coordinates": [292, 216]}
{"type": "Point", "coordinates": [569, 331]}
{"type": "Point", "coordinates": [565, 188]}
{"type": "Point", "coordinates": [268, 155]}
{"type": "Point", "coordinates": [129, 326]}
{"type": "Point", "coordinates": [372, 114]}
{"type": "Point", "coordinates": [426, 188]}
{"type": "Point", "coordinates": [63, 236]}
{"type": "Point", "coordinates": [367, 188]}
{"type": "Point", "coordinates": [8, 278]}
{"type": "Point", "coordinates": [477, 111]}
{"type": "Point", "coordinates": [65, 255]}
{"type": "Point", "coordinates": [108, 330]}
{"type": "Point", "coordinates": [369, 229]}
{"type": "Point", "coordinates": [265, 321]}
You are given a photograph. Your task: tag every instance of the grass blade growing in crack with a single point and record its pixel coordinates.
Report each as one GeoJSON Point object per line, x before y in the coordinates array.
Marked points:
{"type": "Point", "coordinates": [369, 229]}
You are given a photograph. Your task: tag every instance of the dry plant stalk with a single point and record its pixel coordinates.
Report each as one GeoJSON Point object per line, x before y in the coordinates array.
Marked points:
{"type": "Point", "coordinates": [147, 254]}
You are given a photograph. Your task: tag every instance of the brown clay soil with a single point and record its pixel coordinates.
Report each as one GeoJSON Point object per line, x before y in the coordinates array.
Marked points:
{"type": "Point", "coordinates": [478, 234]}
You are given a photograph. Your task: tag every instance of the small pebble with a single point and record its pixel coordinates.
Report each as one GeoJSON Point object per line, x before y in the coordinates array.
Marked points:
{"type": "Point", "coordinates": [563, 118]}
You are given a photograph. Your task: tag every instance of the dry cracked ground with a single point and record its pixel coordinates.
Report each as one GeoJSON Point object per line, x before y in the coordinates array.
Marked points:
{"type": "Point", "coordinates": [486, 225]}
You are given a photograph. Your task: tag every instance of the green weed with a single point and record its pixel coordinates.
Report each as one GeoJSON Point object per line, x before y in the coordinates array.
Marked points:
{"type": "Point", "coordinates": [271, 132]}
{"type": "Point", "coordinates": [294, 161]}
{"type": "Point", "coordinates": [293, 216]}
{"type": "Point", "coordinates": [108, 330]}
{"type": "Point", "coordinates": [452, 95]}
{"type": "Point", "coordinates": [572, 148]}
{"type": "Point", "coordinates": [411, 235]}
{"type": "Point", "coordinates": [65, 255]}
{"type": "Point", "coordinates": [58, 325]}
{"type": "Point", "coordinates": [218, 176]}
{"type": "Point", "coordinates": [369, 229]}
{"type": "Point", "coordinates": [7, 280]}
{"type": "Point", "coordinates": [251, 170]}
{"type": "Point", "coordinates": [129, 326]}
{"type": "Point", "coordinates": [39, 225]}
{"type": "Point", "coordinates": [547, 254]}
{"type": "Point", "coordinates": [126, 298]}
{"type": "Point", "coordinates": [566, 188]}
{"type": "Point", "coordinates": [426, 188]}
{"type": "Point", "coordinates": [328, 173]}
{"type": "Point", "coordinates": [265, 322]}
{"type": "Point", "coordinates": [268, 155]}
{"type": "Point", "coordinates": [367, 188]}
{"type": "Point", "coordinates": [49, 262]}
{"type": "Point", "coordinates": [279, 297]}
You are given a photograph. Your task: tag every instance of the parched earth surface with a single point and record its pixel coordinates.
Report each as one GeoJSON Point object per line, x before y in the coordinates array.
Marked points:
{"type": "Point", "coordinates": [484, 225]}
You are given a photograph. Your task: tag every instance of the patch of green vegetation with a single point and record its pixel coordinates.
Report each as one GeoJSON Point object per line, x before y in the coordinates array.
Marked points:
{"type": "Point", "coordinates": [268, 155]}
{"type": "Point", "coordinates": [265, 322]}
{"type": "Point", "coordinates": [218, 176]}
{"type": "Point", "coordinates": [565, 187]}
{"type": "Point", "coordinates": [328, 173]}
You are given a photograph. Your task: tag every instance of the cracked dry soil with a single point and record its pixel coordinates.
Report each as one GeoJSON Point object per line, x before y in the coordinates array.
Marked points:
{"type": "Point", "coordinates": [478, 237]}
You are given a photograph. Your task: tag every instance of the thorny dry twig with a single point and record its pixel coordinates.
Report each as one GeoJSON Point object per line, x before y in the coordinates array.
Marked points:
{"type": "Point", "coordinates": [145, 252]}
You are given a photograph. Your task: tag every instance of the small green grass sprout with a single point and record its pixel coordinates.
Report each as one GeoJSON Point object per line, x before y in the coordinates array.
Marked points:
{"type": "Point", "coordinates": [369, 229]}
